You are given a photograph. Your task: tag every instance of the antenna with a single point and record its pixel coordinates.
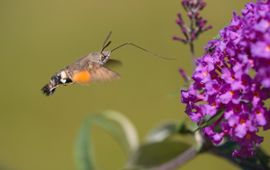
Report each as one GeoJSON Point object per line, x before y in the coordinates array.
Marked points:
{"type": "Point", "coordinates": [106, 42]}
{"type": "Point", "coordinates": [141, 48]}
{"type": "Point", "coordinates": [105, 46]}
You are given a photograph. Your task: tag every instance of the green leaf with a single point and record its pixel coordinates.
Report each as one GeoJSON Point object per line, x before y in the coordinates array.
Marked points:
{"type": "Point", "coordinates": [162, 132]}
{"type": "Point", "coordinates": [157, 154]}
{"type": "Point", "coordinates": [126, 130]}
{"type": "Point", "coordinates": [114, 123]}
{"type": "Point", "coordinates": [184, 129]}
{"type": "Point", "coordinates": [216, 37]}
{"type": "Point", "coordinates": [83, 155]}
{"type": "Point", "coordinates": [210, 121]}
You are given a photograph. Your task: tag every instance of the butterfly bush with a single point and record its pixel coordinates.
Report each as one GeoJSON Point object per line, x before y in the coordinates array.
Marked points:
{"type": "Point", "coordinates": [232, 81]}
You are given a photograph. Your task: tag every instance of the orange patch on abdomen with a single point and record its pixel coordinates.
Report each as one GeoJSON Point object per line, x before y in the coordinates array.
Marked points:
{"type": "Point", "coordinates": [82, 77]}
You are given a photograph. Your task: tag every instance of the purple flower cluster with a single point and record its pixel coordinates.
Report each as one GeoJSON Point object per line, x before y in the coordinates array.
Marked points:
{"type": "Point", "coordinates": [197, 23]}
{"type": "Point", "coordinates": [233, 78]}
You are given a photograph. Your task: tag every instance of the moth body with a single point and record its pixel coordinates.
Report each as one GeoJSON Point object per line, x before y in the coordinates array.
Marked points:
{"type": "Point", "coordinates": [84, 70]}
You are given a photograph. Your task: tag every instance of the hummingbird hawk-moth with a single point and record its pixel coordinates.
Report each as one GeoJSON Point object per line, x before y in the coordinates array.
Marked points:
{"type": "Point", "coordinates": [90, 68]}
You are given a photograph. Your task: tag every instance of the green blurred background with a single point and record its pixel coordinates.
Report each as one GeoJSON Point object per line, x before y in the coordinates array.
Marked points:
{"type": "Point", "coordinates": [40, 37]}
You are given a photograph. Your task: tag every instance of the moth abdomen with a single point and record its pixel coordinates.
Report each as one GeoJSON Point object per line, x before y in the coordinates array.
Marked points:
{"type": "Point", "coordinates": [56, 80]}
{"type": "Point", "coordinates": [48, 89]}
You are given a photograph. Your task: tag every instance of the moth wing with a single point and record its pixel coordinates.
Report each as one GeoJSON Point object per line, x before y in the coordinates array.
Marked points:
{"type": "Point", "coordinates": [79, 64]}
{"type": "Point", "coordinates": [101, 74]}
{"type": "Point", "coordinates": [112, 63]}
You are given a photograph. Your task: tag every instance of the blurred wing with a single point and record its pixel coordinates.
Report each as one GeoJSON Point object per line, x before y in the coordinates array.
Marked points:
{"type": "Point", "coordinates": [103, 74]}
{"type": "Point", "coordinates": [112, 63]}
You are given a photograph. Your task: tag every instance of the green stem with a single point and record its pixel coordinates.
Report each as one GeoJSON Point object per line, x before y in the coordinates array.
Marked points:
{"type": "Point", "coordinates": [192, 51]}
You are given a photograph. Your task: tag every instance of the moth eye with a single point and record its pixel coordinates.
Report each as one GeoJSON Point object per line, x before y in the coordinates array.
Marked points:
{"type": "Point", "coordinates": [103, 57]}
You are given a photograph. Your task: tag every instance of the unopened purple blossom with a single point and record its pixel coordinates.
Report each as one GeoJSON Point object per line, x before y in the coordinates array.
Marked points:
{"type": "Point", "coordinates": [197, 24]}
{"type": "Point", "coordinates": [184, 75]}
{"type": "Point", "coordinates": [233, 77]}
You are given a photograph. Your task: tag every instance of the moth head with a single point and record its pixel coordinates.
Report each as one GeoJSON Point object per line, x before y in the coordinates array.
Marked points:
{"type": "Point", "coordinates": [104, 56]}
